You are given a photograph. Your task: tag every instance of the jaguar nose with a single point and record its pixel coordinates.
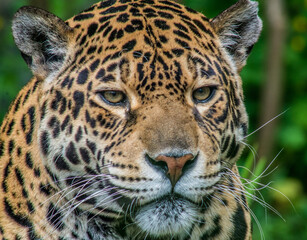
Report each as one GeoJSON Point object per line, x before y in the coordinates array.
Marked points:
{"type": "Point", "coordinates": [174, 167]}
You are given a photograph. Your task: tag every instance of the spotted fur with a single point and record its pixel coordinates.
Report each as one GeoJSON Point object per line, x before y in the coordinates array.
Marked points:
{"type": "Point", "coordinates": [158, 165]}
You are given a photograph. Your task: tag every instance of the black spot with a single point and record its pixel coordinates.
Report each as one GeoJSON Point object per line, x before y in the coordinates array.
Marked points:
{"type": "Point", "coordinates": [129, 29]}
{"type": "Point", "coordinates": [101, 73]}
{"type": "Point", "coordinates": [91, 145]}
{"type": "Point", "coordinates": [112, 35]}
{"type": "Point", "coordinates": [94, 65]}
{"type": "Point", "coordinates": [79, 101]}
{"type": "Point", "coordinates": [193, 28]}
{"type": "Point", "coordinates": [91, 50]}
{"type": "Point", "coordinates": [112, 67]}
{"type": "Point", "coordinates": [55, 102]}
{"type": "Point", "coordinates": [29, 134]}
{"type": "Point", "coordinates": [44, 142]}
{"type": "Point", "coordinates": [239, 222]}
{"type": "Point", "coordinates": [129, 45]}
{"type": "Point", "coordinates": [78, 135]}
{"type": "Point", "coordinates": [55, 125]}
{"type": "Point", "coordinates": [181, 27]}
{"type": "Point", "coordinates": [29, 161]}
{"type": "Point", "coordinates": [225, 143]}
{"type": "Point", "coordinates": [17, 217]}
{"type": "Point", "coordinates": [26, 97]}
{"type": "Point", "coordinates": [202, 27]}
{"type": "Point", "coordinates": [17, 104]}
{"type": "Point", "coordinates": [166, 7]}
{"type": "Point", "coordinates": [140, 71]}
{"type": "Point", "coordinates": [109, 147]}
{"type": "Point", "coordinates": [147, 57]}
{"type": "Point", "coordinates": [137, 24]}
{"type": "Point", "coordinates": [135, 11]}
{"type": "Point", "coordinates": [85, 155]}
{"type": "Point", "coordinates": [65, 82]}
{"type": "Point", "coordinates": [102, 27]}
{"type": "Point", "coordinates": [171, 3]}
{"type": "Point", "coordinates": [190, 10]}
{"type": "Point", "coordinates": [90, 9]}
{"type": "Point", "coordinates": [85, 198]}
{"type": "Point", "coordinates": [107, 3]}
{"type": "Point", "coordinates": [1, 148]}
{"type": "Point", "coordinates": [10, 128]}
{"type": "Point", "coordinates": [83, 76]}
{"type": "Point", "coordinates": [11, 146]}
{"type": "Point", "coordinates": [165, 66]}
{"type": "Point", "coordinates": [54, 216]}
{"type": "Point", "coordinates": [165, 15]}
{"type": "Point", "coordinates": [60, 163]}
{"type": "Point", "coordinates": [82, 17]}
{"type": "Point", "coordinates": [178, 52]}
{"type": "Point", "coordinates": [7, 171]}
{"type": "Point", "coordinates": [45, 189]}
{"type": "Point", "coordinates": [105, 33]}
{"type": "Point", "coordinates": [90, 120]}
{"type": "Point", "coordinates": [161, 24]}
{"type": "Point", "coordinates": [108, 78]}
{"type": "Point", "coordinates": [148, 1]}
{"type": "Point", "coordinates": [182, 43]}
{"type": "Point", "coordinates": [114, 9]}
{"type": "Point", "coordinates": [71, 154]}
{"type": "Point", "coordinates": [37, 172]}
{"type": "Point", "coordinates": [30, 208]}
{"type": "Point", "coordinates": [123, 18]}
{"type": "Point", "coordinates": [65, 123]}
{"type": "Point", "coordinates": [232, 147]}
{"type": "Point", "coordinates": [19, 151]}
{"type": "Point", "coordinates": [92, 29]}
{"type": "Point", "coordinates": [182, 34]}
{"type": "Point", "coordinates": [120, 34]}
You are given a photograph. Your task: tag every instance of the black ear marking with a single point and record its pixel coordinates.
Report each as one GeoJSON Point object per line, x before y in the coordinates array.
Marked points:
{"type": "Point", "coordinates": [42, 39]}
{"type": "Point", "coordinates": [45, 47]}
{"type": "Point", "coordinates": [238, 28]}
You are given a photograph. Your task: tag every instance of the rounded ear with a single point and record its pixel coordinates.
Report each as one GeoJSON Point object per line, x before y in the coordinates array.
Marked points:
{"type": "Point", "coordinates": [42, 39]}
{"type": "Point", "coordinates": [239, 28]}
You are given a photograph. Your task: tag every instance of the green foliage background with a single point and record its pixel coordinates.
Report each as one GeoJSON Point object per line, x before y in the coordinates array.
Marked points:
{"type": "Point", "coordinates": [291, 136]}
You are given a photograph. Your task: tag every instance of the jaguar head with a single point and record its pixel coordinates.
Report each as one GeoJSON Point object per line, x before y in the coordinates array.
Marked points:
{"type": "Point", "coordinates": [141, 107]}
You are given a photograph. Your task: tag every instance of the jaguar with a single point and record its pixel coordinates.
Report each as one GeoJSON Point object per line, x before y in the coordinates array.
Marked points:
{"type": "Point", "coordinates": [131, 125]}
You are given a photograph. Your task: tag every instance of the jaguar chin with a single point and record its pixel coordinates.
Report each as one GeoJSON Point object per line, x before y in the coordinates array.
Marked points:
{"type": "Point", "coordinates": [170, 216]}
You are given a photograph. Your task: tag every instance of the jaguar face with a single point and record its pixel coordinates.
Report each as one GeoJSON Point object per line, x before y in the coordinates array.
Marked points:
{"type": "Point", "coordinates": [150, 131]}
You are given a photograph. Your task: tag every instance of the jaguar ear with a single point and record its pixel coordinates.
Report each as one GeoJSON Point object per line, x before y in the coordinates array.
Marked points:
{"type": "Point", "coordinates": [238, 28]}
{"type": "Point", "coordinates": [42, 39]}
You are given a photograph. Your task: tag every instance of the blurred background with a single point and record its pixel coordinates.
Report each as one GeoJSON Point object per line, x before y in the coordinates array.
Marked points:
{"type": "Point", "coordinates": [275, 85]}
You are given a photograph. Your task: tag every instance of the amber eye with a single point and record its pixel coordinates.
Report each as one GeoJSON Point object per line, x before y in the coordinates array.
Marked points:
{"type": "Point", "coordinates": [113, 97]}
{"type": "Point", "coordinates": [203, 94]}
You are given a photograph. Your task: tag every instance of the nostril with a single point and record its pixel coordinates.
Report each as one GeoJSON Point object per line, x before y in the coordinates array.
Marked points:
{"type": "Point", "coordinates": [159, 165]}
{"type": "Point", "coordinates": [189, 164]}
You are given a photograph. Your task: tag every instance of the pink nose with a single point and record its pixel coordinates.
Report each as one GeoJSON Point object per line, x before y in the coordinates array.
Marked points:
{"type": "Point", "coordinates": [175, 165]}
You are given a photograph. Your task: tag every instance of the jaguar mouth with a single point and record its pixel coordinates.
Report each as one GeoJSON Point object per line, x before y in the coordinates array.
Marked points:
{"type": "Point", "coordinates": [171, 198]}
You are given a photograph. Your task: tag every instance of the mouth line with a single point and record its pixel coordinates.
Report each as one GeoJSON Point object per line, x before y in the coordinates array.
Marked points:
{"type": "Point", "coordinates": [171, 198]}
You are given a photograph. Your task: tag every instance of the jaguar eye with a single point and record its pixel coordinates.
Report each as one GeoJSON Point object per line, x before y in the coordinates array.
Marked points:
{"type": "Point", "coordinates": [203, 94]}
{"type": "Point", "coordinates": [113, 97]}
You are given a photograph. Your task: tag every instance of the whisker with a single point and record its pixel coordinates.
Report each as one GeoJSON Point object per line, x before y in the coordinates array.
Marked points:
{"type": "Point", "coordinates": [265, 124]}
